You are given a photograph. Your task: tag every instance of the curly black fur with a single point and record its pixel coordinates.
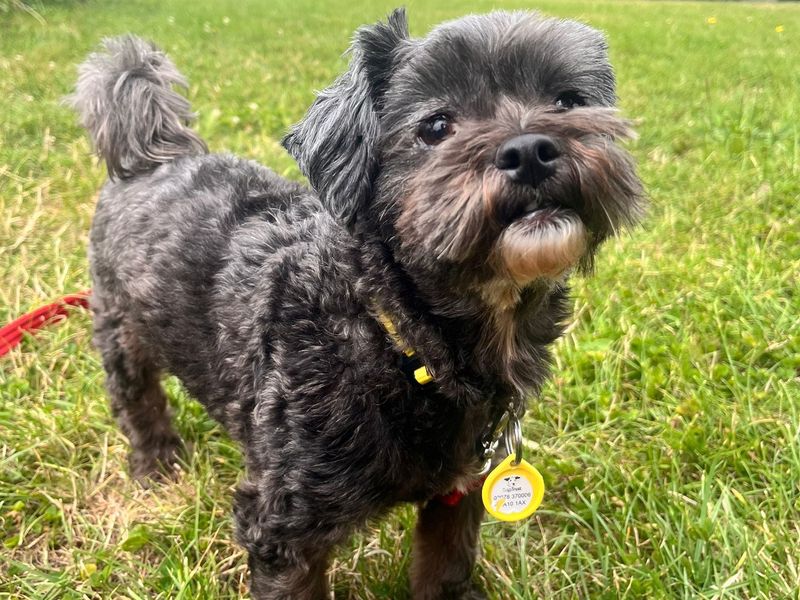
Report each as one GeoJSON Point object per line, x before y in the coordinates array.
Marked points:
{"type": "Point", "coordinates": [262, 295]}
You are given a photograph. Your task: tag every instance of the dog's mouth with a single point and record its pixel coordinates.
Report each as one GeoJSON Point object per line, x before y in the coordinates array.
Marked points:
{"type": "Point", "coordinates": [538, 217]}
{"type": "Point", "coordinates": [542, 207]}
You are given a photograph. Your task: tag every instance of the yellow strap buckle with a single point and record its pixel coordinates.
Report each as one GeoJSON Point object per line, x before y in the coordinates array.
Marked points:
{"type": "Point", "coordinates": [422, 375]}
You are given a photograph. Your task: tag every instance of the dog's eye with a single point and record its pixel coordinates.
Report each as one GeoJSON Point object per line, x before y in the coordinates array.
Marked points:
{"type": "Point", "coordinates": [569, 100]}
{"type": "Point", "coordinates": [434, 130]}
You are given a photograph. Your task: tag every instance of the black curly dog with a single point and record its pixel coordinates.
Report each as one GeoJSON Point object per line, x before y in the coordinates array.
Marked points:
{"type": "Point", "coordinates": [456, 181]}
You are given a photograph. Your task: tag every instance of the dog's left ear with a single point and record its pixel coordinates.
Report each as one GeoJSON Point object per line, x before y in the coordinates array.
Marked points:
{"type": "Point", "coordinates": [335, 143]}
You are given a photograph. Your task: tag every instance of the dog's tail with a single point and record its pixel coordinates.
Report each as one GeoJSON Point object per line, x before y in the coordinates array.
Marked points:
{"type": "Point", "coordinates": [125, 100]}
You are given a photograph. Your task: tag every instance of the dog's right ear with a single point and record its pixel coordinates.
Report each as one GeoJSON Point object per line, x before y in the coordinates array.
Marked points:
{"type": "Point", "coordinates": [335, 144]}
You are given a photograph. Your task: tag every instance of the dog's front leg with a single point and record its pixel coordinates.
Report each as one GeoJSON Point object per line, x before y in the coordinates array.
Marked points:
{"type": "Point", "coordinates": [287, 553]}
{"type": "Point", "coordinates": [445, 549]}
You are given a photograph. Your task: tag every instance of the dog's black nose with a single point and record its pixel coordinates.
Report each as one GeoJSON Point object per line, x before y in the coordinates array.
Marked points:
{"type": "Point", "coordinates": [527, 159]}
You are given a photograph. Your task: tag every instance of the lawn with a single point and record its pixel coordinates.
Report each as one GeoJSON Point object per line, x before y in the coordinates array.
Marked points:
{"type": "Point", "coordinates": [670, 434]}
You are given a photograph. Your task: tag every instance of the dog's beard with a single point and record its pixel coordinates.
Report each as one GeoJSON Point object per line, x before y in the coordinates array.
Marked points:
{"type": "Point", "coordinates": [547, 242]}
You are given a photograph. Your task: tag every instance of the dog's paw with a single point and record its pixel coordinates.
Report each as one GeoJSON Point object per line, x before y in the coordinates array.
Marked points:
{"type": "Point", "coordinates": [463, 591]}
{"type": "Point", "coordinates": [470, 593]}
{"type": "Point", "coordinates": [159, 464]}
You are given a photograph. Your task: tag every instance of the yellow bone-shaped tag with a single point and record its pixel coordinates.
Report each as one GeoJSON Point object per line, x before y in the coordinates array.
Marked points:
{"type": "Point", "coordinates": [513, 492]}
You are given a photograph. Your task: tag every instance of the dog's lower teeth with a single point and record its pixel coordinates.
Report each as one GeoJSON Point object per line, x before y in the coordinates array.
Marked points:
{"type": "Point", "coordinates": [545, 216]}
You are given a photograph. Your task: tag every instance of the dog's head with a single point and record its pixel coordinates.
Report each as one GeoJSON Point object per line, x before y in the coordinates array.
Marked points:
{"type": "Point", "coordinates": [488, 147]}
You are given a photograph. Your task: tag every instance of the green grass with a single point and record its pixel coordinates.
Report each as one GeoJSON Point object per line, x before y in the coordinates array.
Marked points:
{"type": "Point", "coordinates": [670, 435]}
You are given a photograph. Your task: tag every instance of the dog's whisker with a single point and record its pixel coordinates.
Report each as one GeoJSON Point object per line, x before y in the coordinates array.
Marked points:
{"type": "Point", "coordinates": [608, 218]}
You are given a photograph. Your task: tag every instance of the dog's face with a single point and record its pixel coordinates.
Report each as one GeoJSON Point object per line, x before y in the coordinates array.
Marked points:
{"type": "Point", "coordinates": [487, 148]}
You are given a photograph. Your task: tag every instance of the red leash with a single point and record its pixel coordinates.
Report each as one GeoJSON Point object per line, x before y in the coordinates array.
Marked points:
{"type": "Point", "coordinates": [11, 335]}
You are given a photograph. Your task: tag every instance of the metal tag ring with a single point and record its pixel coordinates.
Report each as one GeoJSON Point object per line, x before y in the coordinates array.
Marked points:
{"type": "Point", "coordinates": [513, 439]}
